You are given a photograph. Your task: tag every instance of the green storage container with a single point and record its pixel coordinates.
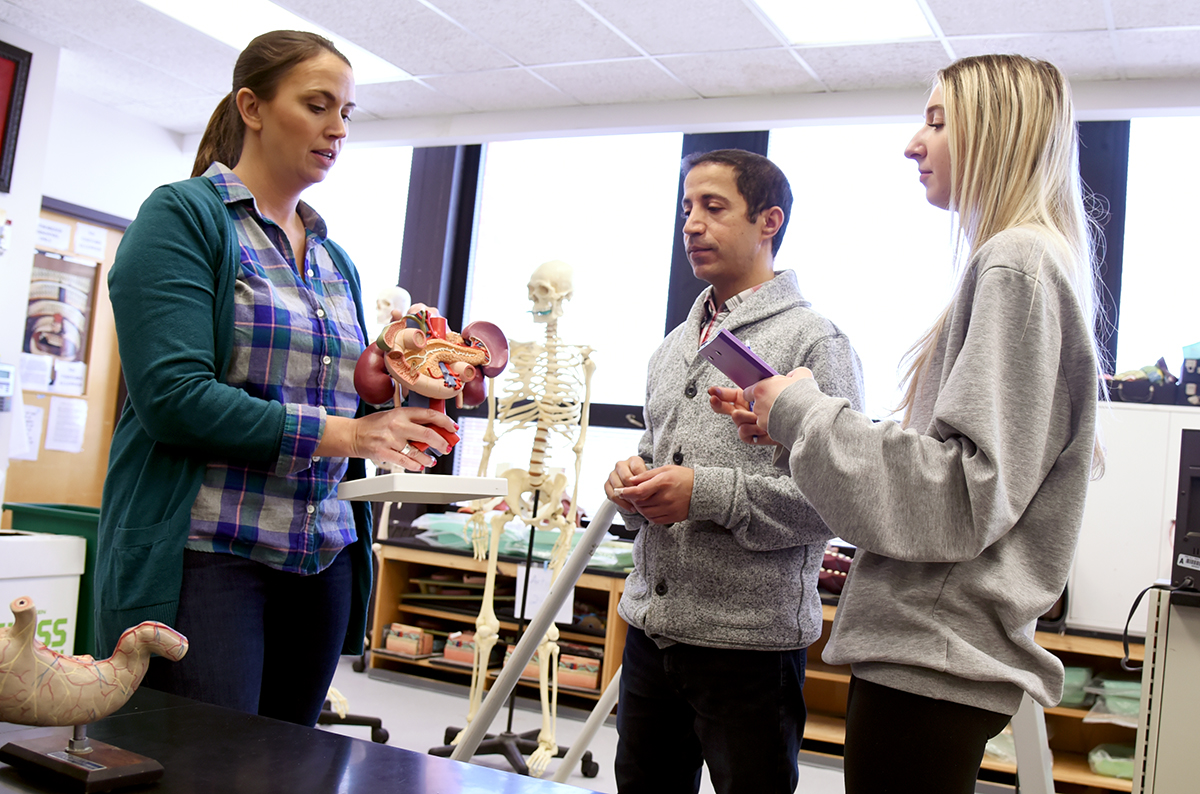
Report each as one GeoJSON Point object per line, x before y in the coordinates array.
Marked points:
{"type": "Point", "coordinates": [75, 520]}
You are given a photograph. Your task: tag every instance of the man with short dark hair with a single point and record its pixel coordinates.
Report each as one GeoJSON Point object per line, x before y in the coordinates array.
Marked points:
{"type": "Point", "coordinates": [722, 601]}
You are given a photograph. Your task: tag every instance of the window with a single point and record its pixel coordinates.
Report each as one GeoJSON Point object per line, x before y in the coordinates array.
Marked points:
{"type": "Point", "coordinates": [363, 201]}
{"type": "Point", "coordinates": [1160, 276]}
{"type": "Point", "coordinates": [870, 253]}
{"type": "Point", "coordinates": [603, 205]}
{"type": "Point", "coordinates": [606, 206]}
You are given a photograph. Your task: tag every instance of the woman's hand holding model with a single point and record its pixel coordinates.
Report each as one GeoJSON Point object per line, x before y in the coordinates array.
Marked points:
{"type": "Point", "coordinates": [385, 437]}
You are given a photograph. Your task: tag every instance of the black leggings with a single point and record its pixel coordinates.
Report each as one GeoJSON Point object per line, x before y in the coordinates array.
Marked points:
{"type": "Point", "coordinates": [898, 742]}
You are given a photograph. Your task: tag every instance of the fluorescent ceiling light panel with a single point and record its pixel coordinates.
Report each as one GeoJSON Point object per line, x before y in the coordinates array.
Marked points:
{"type": "Point", "coordinates": [236, 22]}
{"type": "Point", "coordinates": [847, 21]}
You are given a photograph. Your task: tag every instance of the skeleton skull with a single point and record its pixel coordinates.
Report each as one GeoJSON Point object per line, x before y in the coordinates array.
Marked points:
{"type": "Point", "coordinates": [549, 286]}
{"type": "Point", "coordinates": [391, 298]}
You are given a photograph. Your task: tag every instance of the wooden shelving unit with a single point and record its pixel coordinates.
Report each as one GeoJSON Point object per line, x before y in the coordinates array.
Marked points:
{"type": "Point", "coordinates": [401, 565]}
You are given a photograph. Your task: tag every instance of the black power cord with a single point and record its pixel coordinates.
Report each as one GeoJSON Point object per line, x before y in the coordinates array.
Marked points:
{"type": "Point", "coordinates": [1125, 663]}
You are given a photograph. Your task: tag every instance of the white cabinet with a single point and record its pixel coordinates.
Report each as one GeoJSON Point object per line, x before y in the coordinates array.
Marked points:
{"type": "Point", "coordinates": [1126, 542]}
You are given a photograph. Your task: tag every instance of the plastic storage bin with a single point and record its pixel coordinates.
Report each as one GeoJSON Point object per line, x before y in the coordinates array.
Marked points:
{"type": "Point", "coordinates": [46, 568]}
{"type": "Point", "coordinates": [58, 519]}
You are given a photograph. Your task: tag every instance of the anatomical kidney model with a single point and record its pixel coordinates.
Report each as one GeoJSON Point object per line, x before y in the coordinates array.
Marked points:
{"type": "Point", "coordinates": [432, 361]}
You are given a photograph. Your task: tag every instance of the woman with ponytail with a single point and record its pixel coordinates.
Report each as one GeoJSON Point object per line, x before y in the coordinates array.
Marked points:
{"type": "Point", "coordinates": [239, 324]}
{"type": "Point", "coordinates": [966, 513]}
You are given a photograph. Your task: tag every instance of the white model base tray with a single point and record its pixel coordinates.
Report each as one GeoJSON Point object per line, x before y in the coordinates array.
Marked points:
{"type": "Point", "coordinates": [421, 488]}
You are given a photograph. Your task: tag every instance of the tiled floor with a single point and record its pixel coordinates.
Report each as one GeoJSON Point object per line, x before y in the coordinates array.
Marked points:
{"type": "Point", "coordinates": [416, 712]}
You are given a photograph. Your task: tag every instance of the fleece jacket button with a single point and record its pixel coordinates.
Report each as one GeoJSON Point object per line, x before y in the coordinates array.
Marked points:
{"type": "Point", "coordinates": [660, 589]}
{"type": "Point", "coordinates": [677, 458]}
{"type": "Point", "coordinates": [690, 391]}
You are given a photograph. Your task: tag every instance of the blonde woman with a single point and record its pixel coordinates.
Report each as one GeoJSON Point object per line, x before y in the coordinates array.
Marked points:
{"type": "Point", "coordinates": [966, 514]}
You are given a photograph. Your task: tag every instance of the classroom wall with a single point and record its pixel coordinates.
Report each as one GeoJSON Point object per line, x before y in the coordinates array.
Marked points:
{"type": "Point", "coordinates": [106, 160]}
{"type": "Point", "coordinates": [23, 203]}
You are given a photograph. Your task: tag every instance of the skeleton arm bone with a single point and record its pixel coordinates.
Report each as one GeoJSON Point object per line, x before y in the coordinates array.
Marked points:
{"type": "Point", "coordinates": [589, 367]}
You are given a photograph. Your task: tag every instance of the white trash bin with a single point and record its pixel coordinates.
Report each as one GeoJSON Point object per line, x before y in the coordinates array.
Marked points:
{"type": "Point", "coordinates": [47, 569]}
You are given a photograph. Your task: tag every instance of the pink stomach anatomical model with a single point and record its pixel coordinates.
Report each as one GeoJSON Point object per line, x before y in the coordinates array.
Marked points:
{"type": "Point", "coordinates": [39, 686]}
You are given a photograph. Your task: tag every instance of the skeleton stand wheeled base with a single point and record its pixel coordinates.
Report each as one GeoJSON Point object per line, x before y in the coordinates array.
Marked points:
{"type": "Point", "coordinates": [515, 746]}
{"type": "Point", "coordinates": [475, 735]}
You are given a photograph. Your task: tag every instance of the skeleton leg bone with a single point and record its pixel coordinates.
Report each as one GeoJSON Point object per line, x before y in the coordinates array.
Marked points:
{"type": "Point", "coordinates": [487, 625]}
{"type": "Point", "coordinates": [547, 672]}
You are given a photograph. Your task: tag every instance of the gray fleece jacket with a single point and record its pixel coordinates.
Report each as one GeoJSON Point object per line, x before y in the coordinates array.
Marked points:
{"type": "Point", "coordinates": [966, 523]}
{"type": "Point", "coordinates": [741, 571]}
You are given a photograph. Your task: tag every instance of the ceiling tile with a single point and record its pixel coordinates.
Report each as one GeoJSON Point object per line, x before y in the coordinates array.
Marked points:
{"type": "Point", "coordinates": [1159, 54]}
{"type": "Point", "coordinates": [103, 77]}
{"type": "Point", "coordinates": [634, 80]}
{"type": "Point", "coordinates": [967, 17]}
{"type": "Point", "coordinates": [744, 72]}
{"type": "Point", "coordinates": [1082, 56]}
{"type": "Point", "coordinates": [507, 89]}
{"type": "Point", "coordinates": [869, 66]}
{"type": "Point", "coordinates": [405, 100]}
{"type": "Point", "coordinates": [1154, 13]}
{"type": "Point", "coordinates": [133, 31]}
{"type": "Point", "coordinates": [405, 33]}
{"type": "Point", "coordinates": [664, 27]}
{"type": "Point", "coordinates": [35, 24]}
{"type": "Point", "coordinates": [539, 31]}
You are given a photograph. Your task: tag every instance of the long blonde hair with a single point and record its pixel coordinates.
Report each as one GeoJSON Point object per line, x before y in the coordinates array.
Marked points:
{"type": "Point", "coordinates": [1014, 161]}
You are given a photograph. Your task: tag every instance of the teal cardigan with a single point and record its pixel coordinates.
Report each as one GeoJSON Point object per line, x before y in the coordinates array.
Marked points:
{"type": "Point", "coordinates": [172, 295]}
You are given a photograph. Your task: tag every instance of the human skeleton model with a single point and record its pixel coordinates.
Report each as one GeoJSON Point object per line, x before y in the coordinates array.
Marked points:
{"type": "Point", "coordinates": [543, 392]}
{"type": "Point", "coordinates": [39, 686]}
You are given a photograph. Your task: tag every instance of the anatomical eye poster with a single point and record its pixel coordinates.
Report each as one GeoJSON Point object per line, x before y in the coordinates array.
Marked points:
{"type": "Point", "coordinates": [59, 315]}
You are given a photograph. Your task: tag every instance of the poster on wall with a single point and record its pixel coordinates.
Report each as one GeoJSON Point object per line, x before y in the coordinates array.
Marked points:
{"type": "Point", "coordinates": [14, 74]}
{"type": "Point", "coordinates": [59, 314]}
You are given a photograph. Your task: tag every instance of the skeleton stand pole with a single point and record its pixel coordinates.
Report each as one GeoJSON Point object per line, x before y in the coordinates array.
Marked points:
{"type": "Point", "coordinates": [599, 714]}
{"type": "Point", "coordinates": [537, 628]}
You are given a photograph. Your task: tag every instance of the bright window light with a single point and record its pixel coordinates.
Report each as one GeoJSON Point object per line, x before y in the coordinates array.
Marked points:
{"type": "Point", "coordinates": [236, 22]}
{"type": "Point", "coordinates": [847, 21]}
{"type": "Point", "coordinates": [869, 251]}
{"type": "Point", "coordinates": [1160, 277]}
{"type": "Point", "coordinates": [365, 193]}
{"type": "Point", "coordinates": [604, 205]}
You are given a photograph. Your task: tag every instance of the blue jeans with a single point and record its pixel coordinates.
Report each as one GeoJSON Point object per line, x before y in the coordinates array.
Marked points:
{"type": "Point", "coordinates": [741, 712]}
{"type": "Point", "coordinates": [261, 640]}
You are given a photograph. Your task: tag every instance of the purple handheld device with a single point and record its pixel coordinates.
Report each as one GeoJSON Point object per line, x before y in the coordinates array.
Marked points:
{"type": "Point", "coordinates": [739, 363]}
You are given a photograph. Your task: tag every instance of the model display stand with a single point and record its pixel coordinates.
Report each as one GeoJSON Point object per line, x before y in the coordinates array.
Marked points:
{"type": "Point", "coordinates": [421, 488]}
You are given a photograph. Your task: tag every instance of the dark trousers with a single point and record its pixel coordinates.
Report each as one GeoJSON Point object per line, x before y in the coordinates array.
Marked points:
{"type": "Point", "coordinates": [261, 640]}
{"type": "Point", "coordinates": [897, 742]}
{"type": "Point", "coordinates": [741, 712]}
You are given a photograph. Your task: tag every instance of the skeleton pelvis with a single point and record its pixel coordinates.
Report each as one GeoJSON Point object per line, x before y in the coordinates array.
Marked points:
{"type": "Point", "coordinates": [520, 494]}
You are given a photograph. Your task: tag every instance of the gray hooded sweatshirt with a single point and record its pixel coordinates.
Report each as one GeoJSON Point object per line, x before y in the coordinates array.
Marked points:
{"type": "Point", "coordinates": [741, 571]}
{"type": "Point", "coordinates": [966, 522]}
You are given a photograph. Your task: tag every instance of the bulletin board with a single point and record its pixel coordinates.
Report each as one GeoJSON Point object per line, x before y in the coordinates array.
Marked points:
{"type": "Point", "coordinates": [69, 423]}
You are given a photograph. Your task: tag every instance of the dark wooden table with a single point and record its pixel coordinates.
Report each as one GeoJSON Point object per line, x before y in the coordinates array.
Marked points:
{"type": "Point", "coordinates": [211, 750]}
